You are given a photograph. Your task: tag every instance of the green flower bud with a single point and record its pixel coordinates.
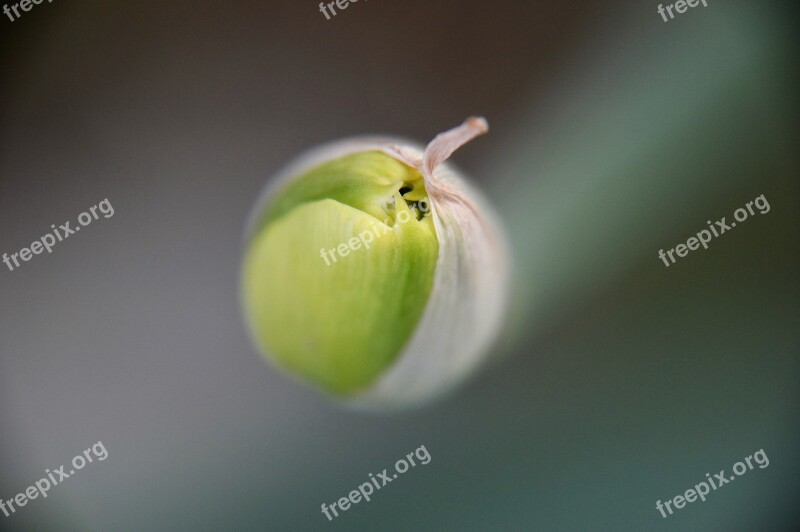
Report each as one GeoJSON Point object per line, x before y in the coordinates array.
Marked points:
{"type": "Point", "coordinates": [373, 273]}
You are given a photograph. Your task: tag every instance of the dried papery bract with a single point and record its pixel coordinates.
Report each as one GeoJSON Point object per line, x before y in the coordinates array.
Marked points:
{"type": "Point", "coordinates": [402, 322]}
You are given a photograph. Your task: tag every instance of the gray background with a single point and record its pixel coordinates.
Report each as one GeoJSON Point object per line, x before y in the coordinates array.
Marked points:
{"type": "Point", "coordinates": [629, 381]}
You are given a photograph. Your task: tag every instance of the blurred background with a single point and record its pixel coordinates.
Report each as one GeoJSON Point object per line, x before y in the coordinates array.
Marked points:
{"type": "Point", "coordinates": [619, 382]}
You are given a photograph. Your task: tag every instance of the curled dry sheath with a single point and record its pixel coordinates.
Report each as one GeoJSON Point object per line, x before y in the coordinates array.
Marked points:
{"type": "Point", "coordinates": [399, 323]}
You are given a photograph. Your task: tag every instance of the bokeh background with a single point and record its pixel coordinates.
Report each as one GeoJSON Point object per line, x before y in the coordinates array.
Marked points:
{"type": "Point", "coordinates": [618, 382]}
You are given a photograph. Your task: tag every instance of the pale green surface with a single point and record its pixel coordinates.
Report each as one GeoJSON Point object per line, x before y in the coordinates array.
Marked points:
{"type": "Point", "coordinates": [339, 324]}
{"type": "Point", "coordinates": [363, 180]}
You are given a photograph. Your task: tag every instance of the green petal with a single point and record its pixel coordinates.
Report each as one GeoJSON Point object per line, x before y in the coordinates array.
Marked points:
{"type": "Point", "coordinates": [340, 321]}
{"type": "Point", "coordinates": [365, 181]}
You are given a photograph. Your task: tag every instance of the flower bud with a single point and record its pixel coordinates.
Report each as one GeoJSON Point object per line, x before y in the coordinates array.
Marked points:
{"type": "Point", "coordinates": [373, 271]}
